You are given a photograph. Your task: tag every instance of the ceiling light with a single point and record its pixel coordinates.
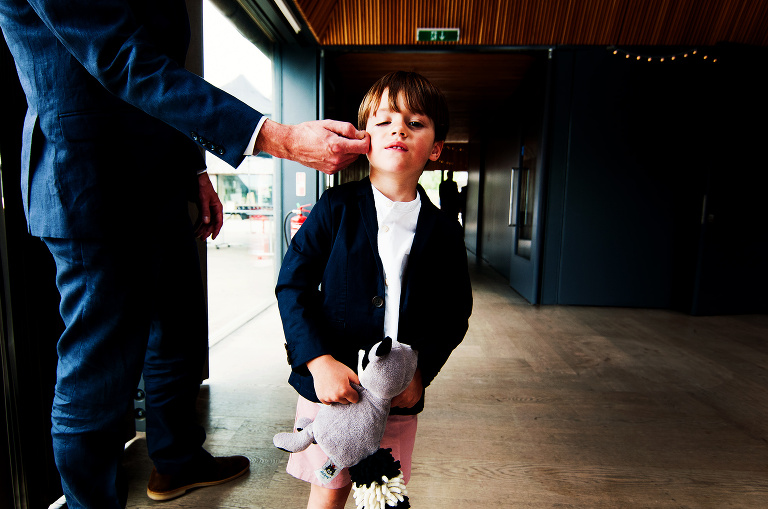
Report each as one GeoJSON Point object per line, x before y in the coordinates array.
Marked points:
{"type": "Point", "coordinates": [288, 15]}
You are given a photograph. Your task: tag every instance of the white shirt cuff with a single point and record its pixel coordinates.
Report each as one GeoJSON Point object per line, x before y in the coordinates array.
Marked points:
{"type": "Point", "coordinates": [250, 149]}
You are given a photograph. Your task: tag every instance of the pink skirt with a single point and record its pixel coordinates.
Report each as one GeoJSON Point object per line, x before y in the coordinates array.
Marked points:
{"type": "Point", "coordinates": [399, 435]}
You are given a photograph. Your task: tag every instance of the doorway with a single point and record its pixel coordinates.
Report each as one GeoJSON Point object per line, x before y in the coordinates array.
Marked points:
{"type": "Point", "coordinates": [527, 184]}
{"type": "Point", "coordinates": [241, 260]}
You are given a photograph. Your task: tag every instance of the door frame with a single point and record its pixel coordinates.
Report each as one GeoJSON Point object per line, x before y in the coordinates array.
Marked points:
{"type": "Point", "coordinates": [525, 274]}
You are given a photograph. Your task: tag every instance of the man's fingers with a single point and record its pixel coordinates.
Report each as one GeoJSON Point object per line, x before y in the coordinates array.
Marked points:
{"type": "Point", "coordinates": [344, 129]}
{"type": "Point", "coordinates": [353, 146]}
{"type": "Point", "coordinates": [344, 155]}
{"type": "Point", "coordinates": [349, 139]}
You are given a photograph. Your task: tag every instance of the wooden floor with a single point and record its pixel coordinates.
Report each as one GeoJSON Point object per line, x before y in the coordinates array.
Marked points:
{"type": "Point", "coordinates": [539, 407]}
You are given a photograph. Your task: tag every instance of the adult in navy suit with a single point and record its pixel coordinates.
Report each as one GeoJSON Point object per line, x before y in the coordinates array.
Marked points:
{"type": "Point", "coordinates": [110, 158]}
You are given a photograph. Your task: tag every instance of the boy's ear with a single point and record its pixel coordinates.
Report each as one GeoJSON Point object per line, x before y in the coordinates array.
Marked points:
{"type": "Point", "coordinates": [437, 148]}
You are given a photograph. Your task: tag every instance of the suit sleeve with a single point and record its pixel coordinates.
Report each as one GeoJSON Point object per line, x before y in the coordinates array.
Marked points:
{"type": "Point", "coordinates": [106, 38]}
{"type": "Point", "coordinates": [298, 295]}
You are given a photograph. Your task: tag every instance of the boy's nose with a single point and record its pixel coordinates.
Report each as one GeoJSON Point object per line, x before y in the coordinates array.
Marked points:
{"type": "Point", "coordinates": [399, 131]}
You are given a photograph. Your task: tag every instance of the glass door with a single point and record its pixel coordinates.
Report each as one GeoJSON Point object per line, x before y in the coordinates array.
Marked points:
{"type": "Point", "coordinates": [241, 260]}
{"type": "Point", "coordinates": [525, 185]}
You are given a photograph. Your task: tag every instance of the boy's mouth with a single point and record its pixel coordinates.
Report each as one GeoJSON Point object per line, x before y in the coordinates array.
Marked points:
{"type": "Point", "coordinates": [398, 146]}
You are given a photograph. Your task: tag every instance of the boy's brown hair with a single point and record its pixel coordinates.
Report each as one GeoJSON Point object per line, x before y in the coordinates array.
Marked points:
{"type": "Point", "coordinates": [419, 95]}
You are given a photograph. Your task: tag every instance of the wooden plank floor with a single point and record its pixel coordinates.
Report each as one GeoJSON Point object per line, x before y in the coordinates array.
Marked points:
{"type": "Point", "coordinates": [539, 407]}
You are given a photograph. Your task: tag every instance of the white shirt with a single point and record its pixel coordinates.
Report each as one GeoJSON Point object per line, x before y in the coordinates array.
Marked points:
{"type": "Point", "coordinates": [249, 150]}
{"type": "Point", "coordinates": [397, 227]}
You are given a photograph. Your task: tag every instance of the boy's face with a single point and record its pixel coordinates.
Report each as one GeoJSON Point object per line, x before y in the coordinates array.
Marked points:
{"type": "Point", "coordinates": [401, 142]}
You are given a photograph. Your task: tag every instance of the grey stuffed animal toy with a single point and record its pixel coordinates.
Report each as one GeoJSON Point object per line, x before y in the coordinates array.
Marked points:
{"type": "Point", "coordinates": [348, 434]}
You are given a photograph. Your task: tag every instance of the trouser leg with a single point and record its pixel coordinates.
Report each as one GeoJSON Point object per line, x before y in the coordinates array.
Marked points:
{"type": "Point", "coordinates": [176, 352]}
{"type": "Point", "coordinates": [100, 356]}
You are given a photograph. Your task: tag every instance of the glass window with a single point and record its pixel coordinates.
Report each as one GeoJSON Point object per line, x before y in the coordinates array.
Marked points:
{"type": "Point", "coordinates": [241, 259]}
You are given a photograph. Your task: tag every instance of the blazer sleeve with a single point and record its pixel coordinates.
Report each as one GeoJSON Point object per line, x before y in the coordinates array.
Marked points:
{"type": "Point", "coordinates": [454, 310]}
{"type": "Point", "coordinates": [115, 48]}
{"type": "Point", "coordinates": [438, 297]}
{"type": "Point", "coordinates": [299, 298]}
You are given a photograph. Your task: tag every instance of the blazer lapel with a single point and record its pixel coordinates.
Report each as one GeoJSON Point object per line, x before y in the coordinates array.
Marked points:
{"type": "Point", "coordinates": [368, 215]}
{"type": "Point", "coordinates": [427, 218]}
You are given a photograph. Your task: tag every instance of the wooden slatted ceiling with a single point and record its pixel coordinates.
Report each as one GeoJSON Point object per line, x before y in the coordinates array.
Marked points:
{"type": "Point", "coordinates": [540, 22]}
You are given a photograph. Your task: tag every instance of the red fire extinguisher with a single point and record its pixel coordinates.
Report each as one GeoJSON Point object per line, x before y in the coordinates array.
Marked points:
{"type": "Point", "coordinates": [298, 219]}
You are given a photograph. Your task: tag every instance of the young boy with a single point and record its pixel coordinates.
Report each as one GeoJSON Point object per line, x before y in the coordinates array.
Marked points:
{"type": "Point", "coordinates": [375, 258]}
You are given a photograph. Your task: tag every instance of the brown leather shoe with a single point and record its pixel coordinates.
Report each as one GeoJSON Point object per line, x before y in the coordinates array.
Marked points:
{"type": "Point", "coordinates": [166, 487]}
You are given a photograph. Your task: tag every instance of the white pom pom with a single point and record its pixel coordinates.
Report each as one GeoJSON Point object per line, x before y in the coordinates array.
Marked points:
{"type": "Point", "coordinates": [379, 495]}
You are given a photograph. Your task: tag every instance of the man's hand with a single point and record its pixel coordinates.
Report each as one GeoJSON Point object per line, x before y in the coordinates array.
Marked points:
{"type": "Point", "coordinates": [211, 211]}
{"type": "Point", "coordinates": [411, 395]}
{"type": "Point", "coordinates": [325, 145]}
{"type": "Point", "coordinates": [332, 380]}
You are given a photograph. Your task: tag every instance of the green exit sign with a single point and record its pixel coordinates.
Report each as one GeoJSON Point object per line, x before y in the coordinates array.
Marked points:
{"type": "Point", "coordinates": [437, 34]}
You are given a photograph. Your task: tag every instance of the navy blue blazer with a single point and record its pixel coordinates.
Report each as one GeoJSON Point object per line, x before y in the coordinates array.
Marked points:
{"type": "Point", "coordinates": [114, 121]}
{"type": "Point", "coordinates": [330, 288]}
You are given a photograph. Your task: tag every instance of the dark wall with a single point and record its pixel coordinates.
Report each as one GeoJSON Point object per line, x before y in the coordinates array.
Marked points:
{"type": "Point", "coordinates": [633, 150]}
{"type": "Point", "coordinates": [731, 272]}
{"type": "Point", "coordinates": [296, 70]}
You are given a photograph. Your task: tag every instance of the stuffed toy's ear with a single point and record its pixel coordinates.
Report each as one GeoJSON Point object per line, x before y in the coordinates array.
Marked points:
{"type": "Point", "coordinates": [362, 361]}
{"type": "Point", "coordinates": [385, 347]}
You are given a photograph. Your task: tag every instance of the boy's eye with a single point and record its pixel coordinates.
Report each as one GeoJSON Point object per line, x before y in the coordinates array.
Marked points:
{"type": "Point", "coordinates": [415, 123]}
{"type": "Point", "coordinates": [385, 122]}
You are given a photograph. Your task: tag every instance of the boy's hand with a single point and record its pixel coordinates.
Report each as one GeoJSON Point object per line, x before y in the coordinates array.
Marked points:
{"type": "Point", "coordinates": [332, 380]}
{"type": "Point", "coordinates": [411, 395]}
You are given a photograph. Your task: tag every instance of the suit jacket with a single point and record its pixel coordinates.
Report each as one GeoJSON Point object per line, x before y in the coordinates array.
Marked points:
{"type": "Point", "coordinates": [114, 121]}
{"type": "Point", "coordinates": [330, 289]}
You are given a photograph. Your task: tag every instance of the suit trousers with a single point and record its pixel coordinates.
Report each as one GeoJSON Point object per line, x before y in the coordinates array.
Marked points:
{"type": "Point", "coordinates": [129, 306]}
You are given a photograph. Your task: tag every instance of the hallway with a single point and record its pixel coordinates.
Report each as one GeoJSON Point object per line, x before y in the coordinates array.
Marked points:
{"type": "Point", "coordinates": [539, 407]}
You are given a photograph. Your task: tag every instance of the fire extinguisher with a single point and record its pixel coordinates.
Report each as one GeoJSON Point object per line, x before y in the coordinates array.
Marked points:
{"type": "Point", "coordinates": [298, 218]}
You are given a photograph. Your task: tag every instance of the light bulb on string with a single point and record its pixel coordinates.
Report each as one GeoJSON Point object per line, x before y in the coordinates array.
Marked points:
{"type": "Point", "coordinates": [686, 54]}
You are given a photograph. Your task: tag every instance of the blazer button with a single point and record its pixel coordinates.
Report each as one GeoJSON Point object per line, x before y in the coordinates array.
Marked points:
{"type": "Point", "coordinates": [378, 301]}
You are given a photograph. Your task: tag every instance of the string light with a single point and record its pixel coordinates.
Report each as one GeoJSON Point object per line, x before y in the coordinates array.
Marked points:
{"type": "Point", "coordinates": [690, 54]}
